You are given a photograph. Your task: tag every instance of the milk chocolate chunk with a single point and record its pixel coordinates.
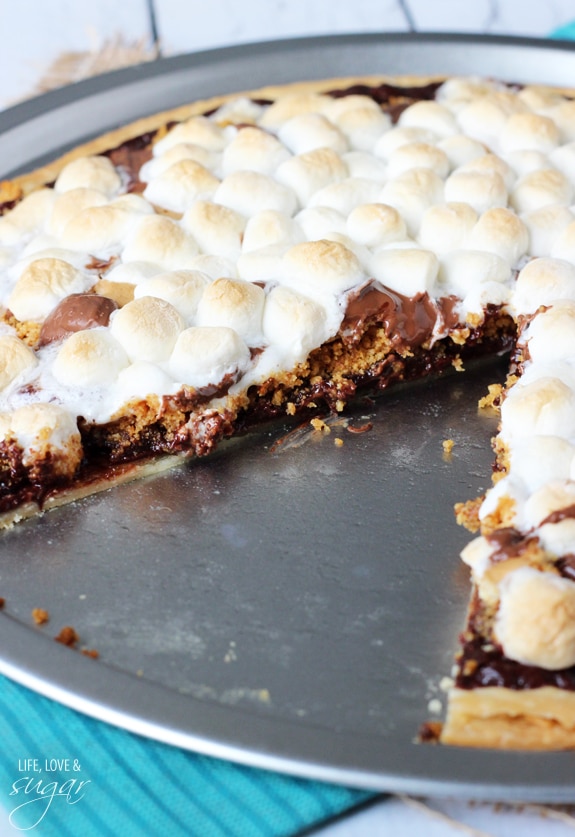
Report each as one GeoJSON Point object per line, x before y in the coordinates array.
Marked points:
{"type": "Point", "coordinates": [76, 313]}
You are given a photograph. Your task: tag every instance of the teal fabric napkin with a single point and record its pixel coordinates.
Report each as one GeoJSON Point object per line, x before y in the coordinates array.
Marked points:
{"type": "Point", "coordinates": [64, 774]}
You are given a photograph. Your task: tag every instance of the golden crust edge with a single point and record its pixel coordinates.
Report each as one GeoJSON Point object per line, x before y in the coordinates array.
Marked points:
{"type": "Point", "coordinates": [494, 717]}
{"type": "Point", "coordinates": [121, 475]}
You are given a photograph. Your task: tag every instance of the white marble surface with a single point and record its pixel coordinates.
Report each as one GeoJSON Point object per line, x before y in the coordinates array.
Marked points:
{"type": "Point", "coordinates": [36, 32]}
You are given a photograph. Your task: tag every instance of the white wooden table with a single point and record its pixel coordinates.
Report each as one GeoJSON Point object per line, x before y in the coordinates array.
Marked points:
{"type": "Point", "coordinates": [35, 33]}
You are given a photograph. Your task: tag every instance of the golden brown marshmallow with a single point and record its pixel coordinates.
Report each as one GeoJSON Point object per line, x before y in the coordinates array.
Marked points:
{"type": "Point", "coordinates": [15, 358]}
{"type": "Point", "coordinates": [147, 328]}
{"type": "Point", "coordinates": [42, 285]}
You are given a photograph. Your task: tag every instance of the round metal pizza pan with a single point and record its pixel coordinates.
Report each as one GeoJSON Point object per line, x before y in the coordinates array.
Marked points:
{"type": "Point", "coordinates": [288, 603]}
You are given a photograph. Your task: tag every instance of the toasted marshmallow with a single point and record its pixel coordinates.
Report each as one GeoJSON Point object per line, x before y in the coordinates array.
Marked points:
{"type": "Point", "coordinates": [147, 328]}
{"type": "Point", "coordinates": [411, 194]}
{"type": "Point", "coordinates": [500, 231]}
{"type": "Point", "coordinates": [541, 188]}
{"type": "Point", "coordinates": [31, 213]}
{"type": "Point", "coordinates": [362, 123]}
{"type": "Point", "coordinates": [47, 431]}
{"type": "Point", "coordinates": [182, 151]}
{"type": "Point", "coordinates": [132, 273]}
{"type": "Point", "coordinates": [307, 173]}
{"type": "Point", "coordinates": [375, 224]}
{"type": "Point", "coordinates": [529, 131]}
{"type": "Point", "coordinates": [238, 111]}
{"type": "Point", "coordinates": [89, 358]}
{"type": "Point", "coordinates": [393, 139]}
{"type": "Point", "coordinates": [461, 150]}
{"type": "Point", "coordinates": [320, 222]}
{"type": "Point", "coordinates": [549, 509]}
{"type": "Point", "coordinates": [482, 190]}
{"type": "Point", "coordinates": [249, 192]}
{"type": "Point", "coordinates": [269, 228]}
{"type": "Point", "coordinates": [179, 186]}
{"type": "Point", "coordinates": [293, 323]}
{"type": "Point", "coordinates": [254, 150]}
{"type": "Point", "coordinates": [431, 116]}
{"type": "Point", "coordinates": [217, 229]}
{"type": "Point", "coordinates": [99, 229]}
{"type": "Point", "coordinates": [321, 268]}
{"type": "Point", "coordinates": [446, 226]}
{"type": "Point", "coordinates": [162, 241]}
{"type": "Point", "coordinates": [345, 195]}
{"type": "Point", "coordinates": [181, 288]}
{"type": "Point", "coordinates": [69, 204]}
{"type": "Point", "coordinates": [15, 359]}
{"type": "Point", "coordinates": [539, 98]}
{"type": "Point", "coordinates": [199, 130]}
{"type": "Point", "coordinates": [408, 271]}
{"type": "Point", "coordinates": [262, 265]}
{"type": "Point", "coordinates": [551, 334]}
{"type": "Point", "coordinates": [485, 117]}
{"type": "Point", "coordinates": [544, 407]}
{"type": "Point", "coordinates": [290, 105]}
{"type": "Point", "coordinates": [309, 131]}
{"type": "Point", "coordinates": [204, 356]}
{"type": "Point", "coordinates": [42, 285]}
{"type": "Point", "coordinates": [456, 92]}
{"type": "Point", "coordinates": [535, 621]}
{"type": "Point", "coordinates": [545, 227]}
{"type": "Point", "coordinates": [236, 304]}
{"type": "Point", "coordinates": [418, 155]}
{"type": "Point", "coordinates": [89, 173]}
{"type": "Point", "coordinates": [524, 162]}
{"type": "Point", "coordinates": [541, 282]}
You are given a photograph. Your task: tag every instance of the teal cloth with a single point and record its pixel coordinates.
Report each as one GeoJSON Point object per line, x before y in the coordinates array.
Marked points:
{"type": "Point", "coordinates": [137, 787]}
{"type": "Point", "coordinates": [566, 32]}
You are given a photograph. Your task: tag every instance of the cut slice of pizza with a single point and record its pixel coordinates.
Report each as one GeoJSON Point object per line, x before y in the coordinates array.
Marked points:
{"type": "Point", "coordinates": [195, 274]}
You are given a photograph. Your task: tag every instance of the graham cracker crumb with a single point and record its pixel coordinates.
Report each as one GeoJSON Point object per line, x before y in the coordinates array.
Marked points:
{"type": "Point", "coordinates": [67, 636]}
{"type": "Point", "coordinates": [448, 445]}
{"type": "Point", "coordinates": [338, 442]}
{"type": "Point", "coordinates": [91, 652]}
{"type": "Point", "coordinates": [493, 398]}
{"type": "Point", "coordinates": [319, 424]}
{"type": "Point", "coordinates": [467, 514]}
{"type": "Point", "coordinates": [40, 616]}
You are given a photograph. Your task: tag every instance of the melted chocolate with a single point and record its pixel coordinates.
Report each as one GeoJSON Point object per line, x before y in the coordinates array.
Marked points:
{"type": "Point", "coordinates": [76, 313]}
{"type": "Point", "coordinates": [408, 321]}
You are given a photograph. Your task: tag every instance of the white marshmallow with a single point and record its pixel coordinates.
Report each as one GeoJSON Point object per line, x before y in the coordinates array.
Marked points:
{"type": "Point", "coordinates": [538, 460]}
{"type": "Point", "coordinates": [181, 288]}
{"type": "Point", "coordinates": [551, 334]}
{"type": "Point", "coordinates": [320, 222]}
{"type": "Point", "coordinates": [529, 131]}
{"type": "Point", "coordinates": [204, 356]}
{"type": "Point", "coordinates": [249, 192]}
{"type": "Point", "coordinates": [462, 270]}
{"type": "Point", "coordinates": [293, 322]}
{"type": "Point", "coordinates": [15, 359]}
{"type": "Point", "coordinates": [217, 229]}
{"type": "Point", "coordinates": [544, 407]}
{"type": "Point", "coordinates": [162, 241]}
{"type": "Point", "coordinates": [564, 117]}
{"type": "Point", "coordinates": [42, 285]}
{"type": "Point", "coordinates": [482, 190]}
{"type": "Point", "coordinates": [69, 204]}
{"type": "Point", "coordinates": [199, 130]}
{"type": "Point", "coordinates": [541, 188]}
{"type": "Point", "coordinates": [47, 431]}
{"type": "Point", "coordinates": [564, 245]}
{"type": "Point", "coordinates": [418, 155]}
{"type": "Point", "coordinates": [411, 194]}
{"type": "Point", "coordinates": [375, 224]}
{"type": "Point", "coordinates": [306, 173]}
{"type": "Point", "coordinates": [563, 159]}
{"type": "Point", "coordinates": [293, 104]}
{"type": "Point", "coordinates": [500, 231]}
{"type": "Point", "coordinates": [535, 621]}
{"type": "Point", "coordinates": [142, 379]}
{"type": "Point", "coordinates": [182, 151]}
{"type": "Point", "coordinates": [545, 227]}
{"type": "Point", "coordinates": [461, 150]}
{"type": "Point", "coordinates": [446, 226]}
{"type": "Point", "coordinates": [236, 304]}
{"type": "Point", "coordinates": [270, 228]}
{"type": "Point", "coordinates": [32, 211]}
{"type": "Point", "coordinates": [89, 358]}
{"type": "Point", "coordinates": [100, 229]}
{"type": "Point", "coordinates": [362, 123]}
{"type": "Point", "coordinates": [389, 142]}
{"type": "Point", "coordinates": [147, 328]}
{"type": "Point", "coordinates": [89, 173]}
{"type": "Point", "coordinates": [309, 131]}
{"type": "Point", "coordinates": [431, 116]}
{"type": "Point", "coordinates": [213, 266]}
{"type": "Point", "coordinates": [345, 195]}
{"type": "Point", "coordinates": [408, 271]}
{"type": "Point", "coordinates": [262, 265]}
{"type": "Point", "coordinates": [541, 282]}
{"type": "Point", "coordinates": [179, 186]}
{"type": "Point", "coordinates": [132, 273]}
{"type": "Point", "coordinates": [255, 150]}
{"type": "Point", "coordinates": [364, 165]}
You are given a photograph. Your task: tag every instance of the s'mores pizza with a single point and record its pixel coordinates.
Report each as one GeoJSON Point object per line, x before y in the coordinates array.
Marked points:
{"type": "Point", "coordinates": [188, 277]}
